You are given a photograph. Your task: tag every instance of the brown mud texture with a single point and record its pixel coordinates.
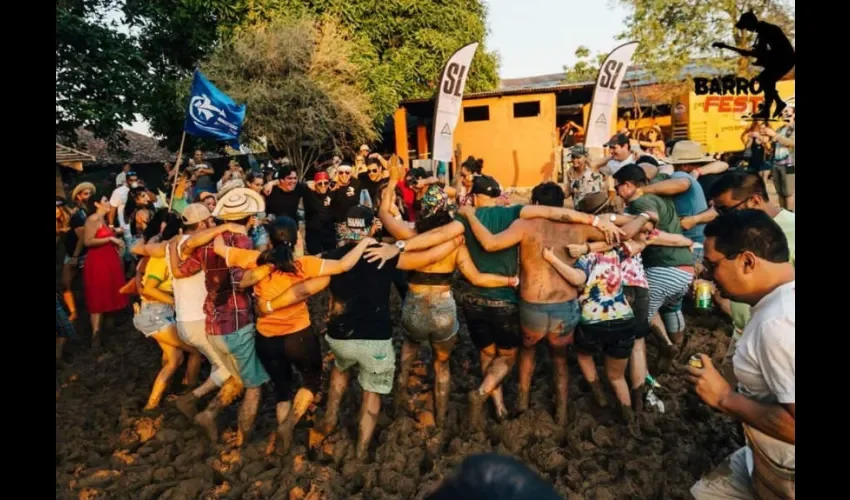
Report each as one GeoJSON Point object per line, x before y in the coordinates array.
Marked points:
{"type": "Point", "coordinates": [107, 447]}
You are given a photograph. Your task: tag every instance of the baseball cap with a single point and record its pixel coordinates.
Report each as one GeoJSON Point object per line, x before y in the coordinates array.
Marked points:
{"type": "Point", "coordinates": [648, 159]}
{"type": "Point", "coordinates": [364, 148]}
{"type": "Point", "coordinates": [195, 213]}
{"type": "Point", "coordinates": [359, 217]}
{"type": "Point", "coordinates": [618, 140]}
{"type": "Point", "coordinates": [578, 150]}
{"type": "Point", "coordinates": [238, 204]}
{"type": "Point", "coordinates": [486, 185]}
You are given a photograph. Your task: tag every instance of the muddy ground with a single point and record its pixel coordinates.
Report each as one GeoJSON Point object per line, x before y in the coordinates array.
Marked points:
{"type": "Point", "coordinates": [107, 448]}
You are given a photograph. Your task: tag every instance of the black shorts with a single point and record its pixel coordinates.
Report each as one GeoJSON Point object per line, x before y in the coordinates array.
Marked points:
{"type": "Point", "coordinates": [638, 299]}
{"type": "Point", "coordinates": [492, 322]}
{"type": "Point", "coordinates": [318, 242]}
{"type": "Point", "coordinates": [279, 354]}
{"type": "Point", "coordinates": [615, 339]}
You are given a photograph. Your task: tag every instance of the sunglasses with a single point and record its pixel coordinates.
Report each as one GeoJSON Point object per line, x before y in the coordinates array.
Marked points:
{"type": "Point", "coordinates": [322, 183]}
{"type": "Point", "coordinates": [344, 172]}
{"type": "Point", "coordinates": [373, 171]}
{"type": "Point", "coordinates": [726, 210]}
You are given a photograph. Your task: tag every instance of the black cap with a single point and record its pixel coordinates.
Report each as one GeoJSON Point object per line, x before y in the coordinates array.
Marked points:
{"type": "Point", "coordinates": [359, 217]}
{"type": "Point", "coordinates": [618, 140]}
{"type": "Point", "coordinates": [486, 185]}
{"type": "Point", "coordinates": [648, 159]}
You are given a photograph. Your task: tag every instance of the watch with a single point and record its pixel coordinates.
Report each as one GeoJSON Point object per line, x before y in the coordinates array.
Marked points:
{"type": "Point", "coordinates": [613, 218]}
{"type": "Point", "coordinates": [400, 245]}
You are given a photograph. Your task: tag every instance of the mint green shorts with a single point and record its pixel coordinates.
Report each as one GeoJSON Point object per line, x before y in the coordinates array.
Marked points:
{"type": "Point", "coordinates": [375, 360]}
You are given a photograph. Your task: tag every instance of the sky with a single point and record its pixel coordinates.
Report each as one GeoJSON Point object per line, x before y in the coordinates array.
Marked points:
{"type": "Point", "coordinates": [537, 37]}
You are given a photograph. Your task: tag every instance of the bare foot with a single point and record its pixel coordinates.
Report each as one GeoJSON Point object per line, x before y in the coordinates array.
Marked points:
{"type": "Point", "coordinates": [476, 410]}
{"type": "Point", "coordinates": [207, 422]}
{"type": "Point", "coordinates": [187, 405]}
{"type": "Point", "coordinates": [284, 432]}
{"type": "Point", "coordinates": [598, 393]}
{"type": "Point", "coordinates": [362, 451]}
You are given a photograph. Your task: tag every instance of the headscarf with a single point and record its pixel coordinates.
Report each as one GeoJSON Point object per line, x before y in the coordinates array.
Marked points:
{"type": "Point", "coordinates": [433, 202]}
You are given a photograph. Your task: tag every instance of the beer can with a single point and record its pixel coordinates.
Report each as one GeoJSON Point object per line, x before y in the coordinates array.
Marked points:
{"type": "Point", "coordinates": [703, 295]}
{"type": "Point", "coordinates": [695, 361]}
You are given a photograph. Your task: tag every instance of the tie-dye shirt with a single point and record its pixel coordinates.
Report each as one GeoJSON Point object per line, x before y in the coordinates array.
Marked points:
{"type": "Point", "coordinates": [602, 298]}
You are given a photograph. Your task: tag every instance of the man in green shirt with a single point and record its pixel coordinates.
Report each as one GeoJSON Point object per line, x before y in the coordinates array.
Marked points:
{"type": "Point", "coordinates": [492, 314]}
{"type": "Point", "coordinates": [740, 191]}
{"type": "Point", "coordinates": [669, 270]}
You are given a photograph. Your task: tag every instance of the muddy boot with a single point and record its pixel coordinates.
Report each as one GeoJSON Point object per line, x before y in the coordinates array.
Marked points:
{"type": "Point", "coordinates": [669, 352]}
{"type": "Point", "coordinates": [96, 344]}
{"type": "Point", "coordinates": [188, 405]}
{"type": "Point", "coordinates": [206, 420]}
{"type": "Point", "coordinates": [638, 397]}
{"type": "Point", "coordinates": [476, 410]}
{"type": "Point", "coordinates": [599, 393]}
{"type": "Point", "coordinates": [630, 420]}
{"type": "Point", "coordinates": [284, 432]}
{"type": "Point", "coordinates": [522, 403]}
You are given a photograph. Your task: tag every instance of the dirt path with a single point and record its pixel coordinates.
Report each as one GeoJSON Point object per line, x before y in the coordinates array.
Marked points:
{"type": "Point", "coordinates": [107, 448]}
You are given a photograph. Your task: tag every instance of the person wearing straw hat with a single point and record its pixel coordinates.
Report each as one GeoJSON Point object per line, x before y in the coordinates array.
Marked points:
{"type": "Point", "coordinates": [229, 311]}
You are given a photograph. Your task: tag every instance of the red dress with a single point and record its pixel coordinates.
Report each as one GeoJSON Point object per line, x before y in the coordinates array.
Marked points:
{"type": "Point", "coordinates": [103, 276]}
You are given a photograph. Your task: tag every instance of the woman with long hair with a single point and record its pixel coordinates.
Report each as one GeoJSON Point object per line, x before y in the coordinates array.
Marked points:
{"type": "Point", "coordinates": [155, 318]}
{"type": "Point", "coordinates": [286, 337]}
{"type": "Point", "coordinates": [470, 169]}
{"type": "Point", "coordinates": [652, 141]}
{"type": "Point", "coordinates": [758, 149]}
{"type": "Point", "coordinates": [429, 313]}
{"type": "Point", "coordinates": [103, 273]}
{"type": "Point", "coordinates": [64, 327]}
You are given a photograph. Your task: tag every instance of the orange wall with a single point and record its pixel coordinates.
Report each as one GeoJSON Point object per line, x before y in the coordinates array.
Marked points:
{"type": "Point", "coordinates": [518, 152]}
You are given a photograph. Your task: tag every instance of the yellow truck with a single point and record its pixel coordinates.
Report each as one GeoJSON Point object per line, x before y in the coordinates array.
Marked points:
{"type": "Point", "coordinates": [717, 121]}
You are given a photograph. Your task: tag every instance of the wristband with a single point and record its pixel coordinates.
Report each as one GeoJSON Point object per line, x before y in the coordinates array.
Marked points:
{"type": "Point", "coordinates": [269, 306]}
{"type": "Point", "coordinates": [595, 221]}
{"type": "Point", "coordinates": [588, 249]}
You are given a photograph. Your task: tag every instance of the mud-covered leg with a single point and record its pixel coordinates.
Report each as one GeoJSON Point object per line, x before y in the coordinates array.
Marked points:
{"type": "Point", "coordinates": [442, 378]}
{"type": "Point", "coordinates": [561, 374]}
{"type": "Point", "coordinates": [588, 370]}
{"type": "Point", "coordinates": [496, 372]}
{"type": "Point", "coordinates": [338, 385]}
{"type": "Point", "coordinates": [408, 356]}
{"type": "Point", "coordinates": [526, 370]}
{"type": "Point", "coordinates": [300, 405]}
{"type": "Point", "coordinates": [248, 413]}
{"type": "Point", "coordinates": [369, 410]}
{"type": "Point", "coordinates": [228, 393]}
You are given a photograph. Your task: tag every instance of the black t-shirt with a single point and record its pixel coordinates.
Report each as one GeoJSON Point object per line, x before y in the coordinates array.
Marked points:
{"type": "Point", "coordinates": [283, 203]}
{"type": "Point", "coordinates": [318, 212]}
{"type": "Point", "coordinates": [360, 299]}
{"type": "Point", "coordinates": [371, 186]}
{"type": "Point", "coordinates": [77, 220]}
{"type": "Point", "coordinates": [343, 198]}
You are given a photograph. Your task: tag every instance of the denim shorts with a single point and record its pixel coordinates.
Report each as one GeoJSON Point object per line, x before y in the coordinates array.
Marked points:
{"type": "Point", "coordinates": [614, 338]}
{"type": "Point", "coordinates": [239, 355]}
{"type": "Point", "coordinates": [429, 317]}
{"type": "Point", "coordinates": [153, 317]}
{"type": "Point", "coordinates": [554, 321]}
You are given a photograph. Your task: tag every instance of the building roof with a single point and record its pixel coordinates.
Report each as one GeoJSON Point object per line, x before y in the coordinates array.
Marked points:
{"type": "Point", "coordinates": [139, 148]}
{"type": "Point", "coordinates": [71, 158]}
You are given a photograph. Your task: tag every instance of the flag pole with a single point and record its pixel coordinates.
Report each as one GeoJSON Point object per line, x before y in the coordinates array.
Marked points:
{"type": "Point", "coordinates": [176, 171]}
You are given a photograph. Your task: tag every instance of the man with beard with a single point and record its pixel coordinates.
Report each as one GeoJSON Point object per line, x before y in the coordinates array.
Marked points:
{"type": "Point", "coordinates": [321, 235]}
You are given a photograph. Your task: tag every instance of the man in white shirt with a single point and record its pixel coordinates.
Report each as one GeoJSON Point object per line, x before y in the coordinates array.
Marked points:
{"type": "Point", "coordinates": [121, 178]}
{"type": "Point", "coordinates": [621, 154]}
{"type": "Point", "coordinates": [189, 296]}
{"type": "Point", "coordinates": [747, 256]}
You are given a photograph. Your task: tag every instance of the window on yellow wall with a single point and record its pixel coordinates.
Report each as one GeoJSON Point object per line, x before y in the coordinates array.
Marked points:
{"type": "Point", "coordinates": [476, 113]}
{"type": "Point", "coordinates": [526, 109]}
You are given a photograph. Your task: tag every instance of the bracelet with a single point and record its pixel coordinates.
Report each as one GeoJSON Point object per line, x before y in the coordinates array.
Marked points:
{"type": "Point", "coordinates": [588, 249]}
{"type": "Point", "coordinates": [269, 306]}
{"type": "Point", "coordinates": [595, 221]}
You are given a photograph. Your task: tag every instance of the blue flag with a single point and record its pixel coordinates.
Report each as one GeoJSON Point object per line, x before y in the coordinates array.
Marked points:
{"type": "Point", "coordinates": [212, 114]}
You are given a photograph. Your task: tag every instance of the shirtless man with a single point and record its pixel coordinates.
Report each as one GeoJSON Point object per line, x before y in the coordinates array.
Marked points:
{"type": "Point", "coordinates": [548, 307]}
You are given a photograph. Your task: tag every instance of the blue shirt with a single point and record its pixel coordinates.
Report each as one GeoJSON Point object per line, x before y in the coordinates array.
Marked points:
{"type": "Point", "coordinates": [691, 202]}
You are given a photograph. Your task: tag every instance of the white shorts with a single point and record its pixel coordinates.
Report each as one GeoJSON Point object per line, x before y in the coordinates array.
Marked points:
{"type": "Point", "coordinates": [194, 333]}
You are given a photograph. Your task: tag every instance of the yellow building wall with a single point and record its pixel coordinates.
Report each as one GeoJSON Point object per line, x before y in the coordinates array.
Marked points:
{"type": "Point", "coordinates": [518, 152]}
{"type": "Point", "coordinates": [718, 125]}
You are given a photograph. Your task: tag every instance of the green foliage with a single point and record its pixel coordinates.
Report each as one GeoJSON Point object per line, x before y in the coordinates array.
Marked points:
{"type": "Point", "coordinates": [401, 45]}
{"type": "Point", "coordinates": [304, 95]}
{"type": "Point", "coordinates": [674, 32]}
{"type": "Point", "coordinates": [586, 67]}
{"type": "Point", "coordinates": [100, 73]}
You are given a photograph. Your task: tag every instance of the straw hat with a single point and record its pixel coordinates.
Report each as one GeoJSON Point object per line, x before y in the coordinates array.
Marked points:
{"type": "Point", "coordinates": [685, 152]}
{"type": "Point", "coordinates": [79, 188]}
{"type": "Point", "coordinates": [238, 204]}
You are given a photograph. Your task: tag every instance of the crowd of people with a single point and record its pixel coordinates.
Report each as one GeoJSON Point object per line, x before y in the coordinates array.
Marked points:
{"type": "Point", "coordinates": [601, 262]}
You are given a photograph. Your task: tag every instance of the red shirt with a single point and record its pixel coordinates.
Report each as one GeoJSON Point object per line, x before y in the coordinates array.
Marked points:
{"type": "Point", "coordinates": [226, 307]}
{"type": "Point", "coordinates": [408, 196]}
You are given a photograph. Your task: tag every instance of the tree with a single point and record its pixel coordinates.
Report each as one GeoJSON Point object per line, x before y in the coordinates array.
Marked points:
{"type": "Point", "coordinates": [585, 69]}
{"type": "Point", "coordinates": [674, 32]}
{"type": "Point", "coordinates": [304, 95]}
{"type": "Point", "coordinates": [400, 45]}
{"type": "Point", "coordinates": [99, 72]}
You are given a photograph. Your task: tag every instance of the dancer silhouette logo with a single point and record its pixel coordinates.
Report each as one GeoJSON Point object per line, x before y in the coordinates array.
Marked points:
{"type": "Point", "coordinates": [772, 51]}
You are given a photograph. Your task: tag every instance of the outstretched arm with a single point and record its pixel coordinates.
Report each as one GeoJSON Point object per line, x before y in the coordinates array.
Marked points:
{"type": "Point", "coordinates": [334, 267]}
{"type": "Point", "coordinates": [573, 276]}
{"type": "Point", "coordinates": [417, 260]}
{"type": "Point", "coordinates": [700, 218]}
{"type": "Point", "coordinates": [492, 243]}
{"type": "Point", "coordinates": [560, 214]}
{"type": "Point", "coordinates": [716, 167]}
{"type": "Point", "coordinates": [664, 239]}
{"type": "Point", "coordinates": [484, 280]}
{"type": "Point", "coordinates": [397, 228]}
{"type": "Point", "coordinates": [434, 237]}
{"type": "Point", "coordinates": [201, 238]}
{"type": "Point", "coordinates": [669, 187]}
